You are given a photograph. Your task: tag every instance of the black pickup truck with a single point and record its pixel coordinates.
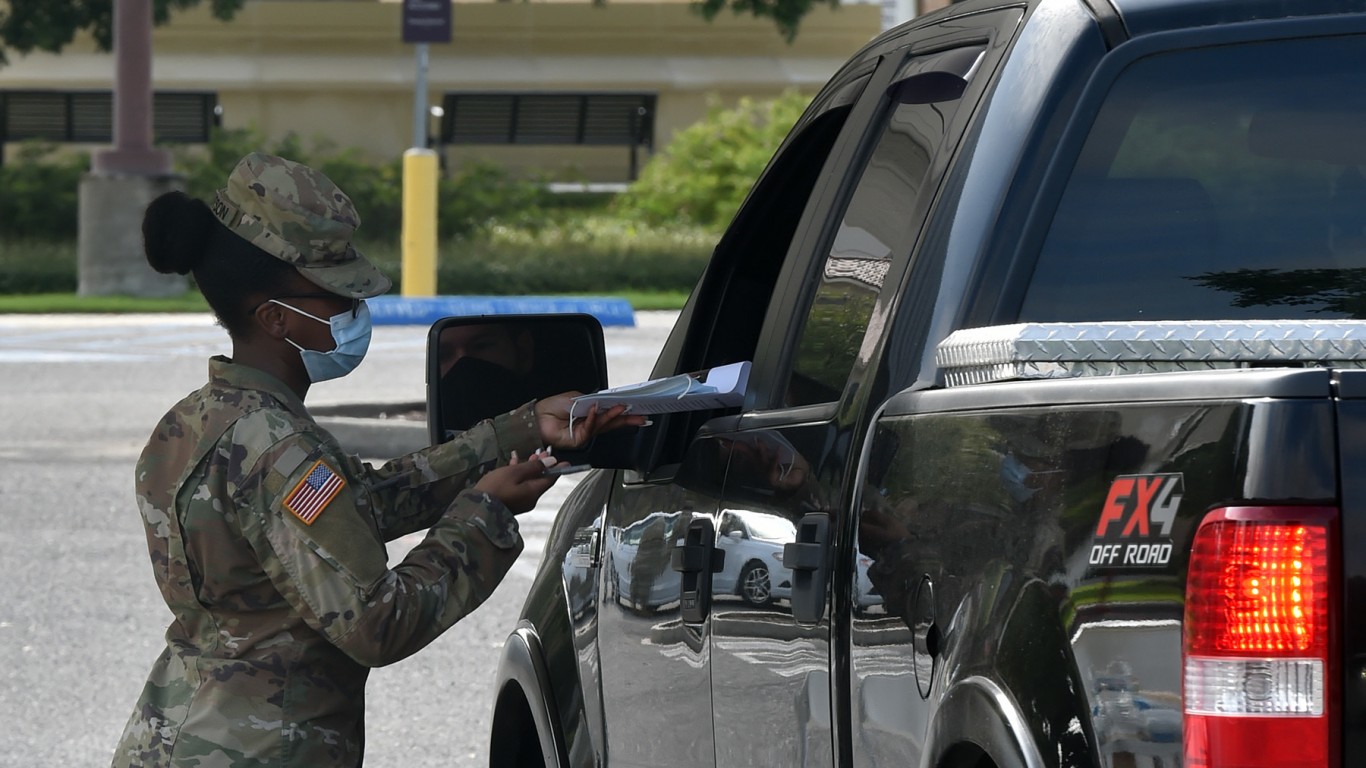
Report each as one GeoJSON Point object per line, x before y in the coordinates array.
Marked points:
{"type": "Point", "coordinates": [1052, 449]}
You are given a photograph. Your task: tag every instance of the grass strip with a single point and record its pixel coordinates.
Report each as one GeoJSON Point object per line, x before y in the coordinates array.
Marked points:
{"type": "Point", "coordinates": [70, 303]}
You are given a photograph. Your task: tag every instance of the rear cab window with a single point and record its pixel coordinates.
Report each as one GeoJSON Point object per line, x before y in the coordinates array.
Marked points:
{"type": "Point", "coordinates": [1216, 183]}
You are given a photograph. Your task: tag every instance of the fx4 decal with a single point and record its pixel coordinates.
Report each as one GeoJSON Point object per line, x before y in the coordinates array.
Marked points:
{"type": "Point", "coordinates": [1135, 523]}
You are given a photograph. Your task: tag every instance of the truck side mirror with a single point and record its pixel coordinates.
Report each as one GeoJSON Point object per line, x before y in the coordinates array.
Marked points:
{"type": "Point", "coordinates": [480, 367]}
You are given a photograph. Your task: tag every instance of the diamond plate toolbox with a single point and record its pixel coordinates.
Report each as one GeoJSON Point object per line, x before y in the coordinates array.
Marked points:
{"type": "Point", "coordinates": [1066, 350]}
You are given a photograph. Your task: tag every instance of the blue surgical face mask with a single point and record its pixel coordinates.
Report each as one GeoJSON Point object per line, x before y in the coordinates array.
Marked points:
{"type": "Point", "coordinates": [352, 335]}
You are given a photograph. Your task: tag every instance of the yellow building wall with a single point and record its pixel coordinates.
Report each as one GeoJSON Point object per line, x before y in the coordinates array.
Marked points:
{"type": "Point", "coordinates": [337, 69]}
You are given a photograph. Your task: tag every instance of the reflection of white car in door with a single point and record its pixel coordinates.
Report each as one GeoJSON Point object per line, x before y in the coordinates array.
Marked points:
{"type": "Point", "coordinates": [753, 543]}
{"type": "Point", "coordinates": [644, 580]}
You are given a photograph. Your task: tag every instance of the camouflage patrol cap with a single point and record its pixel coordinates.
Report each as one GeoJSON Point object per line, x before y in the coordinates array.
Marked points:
{"type": "Point", "coordinates": [297, 215]}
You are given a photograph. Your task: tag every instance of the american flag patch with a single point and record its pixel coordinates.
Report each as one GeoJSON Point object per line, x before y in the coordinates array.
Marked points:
{"type": "Point", "coordinates": [312, 494]}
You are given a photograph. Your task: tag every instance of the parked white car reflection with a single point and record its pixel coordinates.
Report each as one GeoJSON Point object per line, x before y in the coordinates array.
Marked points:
{"type": "Point", "coordinates": [639, 572]}
{"type": "Point", "coordinates": [753, 543]}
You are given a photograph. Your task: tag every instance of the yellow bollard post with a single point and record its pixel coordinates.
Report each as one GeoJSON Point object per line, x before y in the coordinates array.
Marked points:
{"type": "Point", "coordinates": [420, 168]}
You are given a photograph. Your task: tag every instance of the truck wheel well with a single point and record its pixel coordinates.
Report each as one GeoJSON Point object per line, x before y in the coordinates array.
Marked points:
{"type": "Point", "coordinates": [966, 755]}
{"type": "Point", "coordinates": [509, 745]}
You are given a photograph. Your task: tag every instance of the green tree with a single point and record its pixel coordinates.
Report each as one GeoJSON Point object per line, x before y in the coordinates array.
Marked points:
{"type": "Point", "coordinates": [38, 192]}
{"type": "Point", "coordinates": [706, 170]}
{"type": "Point", "coordinates": [786, 14]}
{"type": "Point", "coordinates": [50, 25]}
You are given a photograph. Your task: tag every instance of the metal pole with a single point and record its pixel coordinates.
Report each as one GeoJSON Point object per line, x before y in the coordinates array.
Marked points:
{"type": "Point", "coordinates": [420, 99]}
{"type": "Point", "coordinates": [420, 169]}
{"type": "Point", "coordinates": [419, 223]}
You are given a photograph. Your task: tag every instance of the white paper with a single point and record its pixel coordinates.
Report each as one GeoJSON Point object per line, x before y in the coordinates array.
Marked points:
{"type": "Point", "coordinates": [720, 387]}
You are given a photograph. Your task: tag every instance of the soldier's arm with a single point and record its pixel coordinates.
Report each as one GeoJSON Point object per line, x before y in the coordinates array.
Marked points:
{"type": "Point", "coordinates": [411, 492]}
{"type": "Point", "coordinates": [318, 545]}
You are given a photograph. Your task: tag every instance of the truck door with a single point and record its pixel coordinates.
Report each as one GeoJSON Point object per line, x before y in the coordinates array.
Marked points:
{"type": "Point", "coordinates": [790, 457]}
{"type": "Point", "coordinates": [659, 557]}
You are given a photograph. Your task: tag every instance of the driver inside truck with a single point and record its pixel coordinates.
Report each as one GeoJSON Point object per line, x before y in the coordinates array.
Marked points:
{"type": "Point", "coordinates": [495, 366]}
{"type": "Point", "coordinates": [485, 368]}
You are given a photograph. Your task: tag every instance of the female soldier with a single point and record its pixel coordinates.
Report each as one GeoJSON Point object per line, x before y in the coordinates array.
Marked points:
{"type": "Point", "coordinates": [267, 541]}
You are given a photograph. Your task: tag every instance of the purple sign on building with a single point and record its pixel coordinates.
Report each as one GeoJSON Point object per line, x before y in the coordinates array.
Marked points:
{"type": "Point", "coordinates": [426, 21]}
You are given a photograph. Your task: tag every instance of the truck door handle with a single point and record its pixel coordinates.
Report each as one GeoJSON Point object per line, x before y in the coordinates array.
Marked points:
{"type": "Point", "coordinates": [697, 558]}
{"type": "Point", "coordinates": [809, 559]}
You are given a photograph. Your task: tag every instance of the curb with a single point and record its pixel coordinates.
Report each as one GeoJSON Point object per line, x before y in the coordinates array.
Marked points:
{"type": "Point", "coordinates": [376, 438]}
{"type": "Point", "coordinates": [425, 310]}
{"type": "Point", "coordinates": [364, 431]}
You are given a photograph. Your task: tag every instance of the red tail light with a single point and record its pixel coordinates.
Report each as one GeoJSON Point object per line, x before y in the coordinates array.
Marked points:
{"type": "Point", "coordinates": [1260, 639]}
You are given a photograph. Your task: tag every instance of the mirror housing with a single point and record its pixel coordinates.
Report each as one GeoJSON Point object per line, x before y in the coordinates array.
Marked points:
{"type": "Point", "coordinates": [480, 367]}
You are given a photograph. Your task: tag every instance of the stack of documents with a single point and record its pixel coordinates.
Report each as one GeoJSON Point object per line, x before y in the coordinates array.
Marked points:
{"type": "Point", "coordinates": [720, 387]}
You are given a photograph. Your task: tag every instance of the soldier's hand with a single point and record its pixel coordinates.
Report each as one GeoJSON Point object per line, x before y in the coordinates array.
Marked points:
{"type": "Point", "coordinates": [552, 416]}
{"type": "Point", "coordinates": [519, 485]}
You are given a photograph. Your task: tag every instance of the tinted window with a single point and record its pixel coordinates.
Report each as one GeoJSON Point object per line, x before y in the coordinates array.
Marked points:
{"type": "Point", "coordinates": [1220, 183]}
{"type": "Point", "coordinates": [877, 225]}
{"type": "Point", "coordinates": [728, 309]}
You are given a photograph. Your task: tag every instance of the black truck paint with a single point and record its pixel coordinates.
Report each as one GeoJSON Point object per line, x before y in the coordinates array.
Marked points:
{"type": "Point", "coordinates": [974, 605]}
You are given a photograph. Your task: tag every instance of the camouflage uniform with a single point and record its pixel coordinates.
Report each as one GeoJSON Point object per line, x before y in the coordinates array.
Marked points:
{"type": "Point", "coordinates": [267, 541]}
{"type": "Point", "coordinates": [277, 620]}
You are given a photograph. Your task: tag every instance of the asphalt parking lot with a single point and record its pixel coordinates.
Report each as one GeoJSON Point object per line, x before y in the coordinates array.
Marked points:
{"type": "Point", "coordinates": [81, 621]}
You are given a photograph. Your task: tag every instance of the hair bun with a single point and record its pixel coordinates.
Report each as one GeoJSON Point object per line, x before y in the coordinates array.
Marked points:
{"type": "Point", "coordinates": [175, 232]}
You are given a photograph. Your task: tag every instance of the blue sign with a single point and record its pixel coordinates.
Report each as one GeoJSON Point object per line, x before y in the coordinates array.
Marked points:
{"type": "Point", "coordinates": [426, 21]}
{"type": "Point", "coordinates": [425, 310]}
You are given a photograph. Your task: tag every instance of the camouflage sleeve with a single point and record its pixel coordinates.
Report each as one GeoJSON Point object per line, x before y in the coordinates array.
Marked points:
{"type": "Point", "coordinates": [410, 493]}
{"type": "Point", "coordinates": [306, 517]}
